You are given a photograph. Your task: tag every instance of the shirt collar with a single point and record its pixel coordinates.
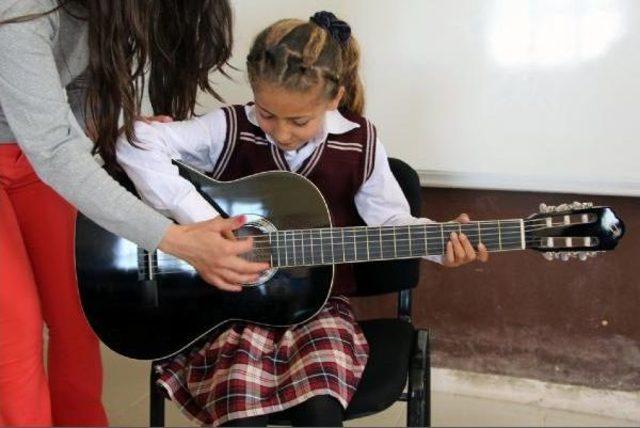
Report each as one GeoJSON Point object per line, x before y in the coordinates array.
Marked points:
{"type": "Point", "coordinates": [334, 123]}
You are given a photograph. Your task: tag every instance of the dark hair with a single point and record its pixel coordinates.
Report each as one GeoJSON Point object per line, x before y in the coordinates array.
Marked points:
{"type": "Point", "coordinates": [179, 43]}
{"type": "Point", "coordinates": [300, 54]}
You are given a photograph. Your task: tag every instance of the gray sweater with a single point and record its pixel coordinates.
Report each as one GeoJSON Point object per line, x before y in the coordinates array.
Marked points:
{"type": "Point", "coordinates": [42, 89]}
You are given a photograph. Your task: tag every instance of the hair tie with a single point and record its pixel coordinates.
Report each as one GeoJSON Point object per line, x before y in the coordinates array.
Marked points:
{"type": "Point", "coordinates": [339, 30]}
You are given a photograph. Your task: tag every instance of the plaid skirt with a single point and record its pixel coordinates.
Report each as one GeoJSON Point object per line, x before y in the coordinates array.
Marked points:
{"type": "Point", "coordinates": [250, 370]}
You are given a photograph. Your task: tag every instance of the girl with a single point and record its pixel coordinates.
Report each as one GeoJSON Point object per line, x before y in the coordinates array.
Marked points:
{"type": "Point", "coordinates": [54, 56]}
{"type": "Point", "coordinates": [306, 118]}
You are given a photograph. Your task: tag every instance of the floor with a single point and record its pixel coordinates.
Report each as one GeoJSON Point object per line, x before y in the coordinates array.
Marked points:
{"type": "Point", "coordinates": [126, 398]}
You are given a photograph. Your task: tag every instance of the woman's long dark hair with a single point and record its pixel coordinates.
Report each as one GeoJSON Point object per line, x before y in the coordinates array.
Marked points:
{"type": "Point", "coordinates": [178, 42]}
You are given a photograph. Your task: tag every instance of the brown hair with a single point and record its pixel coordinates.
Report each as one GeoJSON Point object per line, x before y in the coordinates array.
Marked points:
{"type": "Point", "coordinates": [179, 43]}
{"type": "Point", "coordinates": [300, 54]}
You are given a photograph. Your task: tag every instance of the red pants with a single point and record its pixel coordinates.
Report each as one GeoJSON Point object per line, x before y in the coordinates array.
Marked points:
{"type": "Point", "coordinates": [38, 284]}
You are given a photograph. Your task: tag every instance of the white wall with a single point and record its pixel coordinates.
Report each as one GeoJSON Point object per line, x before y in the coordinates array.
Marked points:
{"type": "Point", "coordinates": [506, 94]}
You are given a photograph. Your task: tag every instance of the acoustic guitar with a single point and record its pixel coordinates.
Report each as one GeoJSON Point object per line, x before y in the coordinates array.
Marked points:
{"type": "Point", "coordinates": [150, 305]}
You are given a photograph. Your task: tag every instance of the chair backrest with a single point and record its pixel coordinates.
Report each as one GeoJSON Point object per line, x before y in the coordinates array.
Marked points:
{"type": "Point", "coordinates": [396, 275]}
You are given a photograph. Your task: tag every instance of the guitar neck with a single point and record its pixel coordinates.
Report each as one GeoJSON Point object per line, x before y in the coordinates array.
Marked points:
{"type": "Point", "coordinates": [324, 246]}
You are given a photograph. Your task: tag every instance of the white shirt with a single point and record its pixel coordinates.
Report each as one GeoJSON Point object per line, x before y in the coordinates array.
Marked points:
{"type": "Point", "coordinates": [199, 142]}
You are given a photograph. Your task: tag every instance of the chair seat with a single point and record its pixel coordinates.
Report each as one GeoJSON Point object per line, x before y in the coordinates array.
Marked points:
{"type": "Point", "coordinates": [391, 344]}
{"type": "Point", "coordinates": [385, 375]}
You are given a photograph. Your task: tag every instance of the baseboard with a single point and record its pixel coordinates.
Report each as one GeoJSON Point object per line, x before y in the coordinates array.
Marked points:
{"type": "Point", "coordinates": [609, 403]}
{"type": "Point", "coordinates": [526, 183]}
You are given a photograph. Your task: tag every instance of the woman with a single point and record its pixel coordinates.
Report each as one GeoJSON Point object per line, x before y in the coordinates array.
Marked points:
{"type": "Point", "coordinates": [62, 62]}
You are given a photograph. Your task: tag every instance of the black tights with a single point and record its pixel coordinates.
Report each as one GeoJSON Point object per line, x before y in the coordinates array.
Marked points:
{"type": "Point", "coordinates": [318, 411]}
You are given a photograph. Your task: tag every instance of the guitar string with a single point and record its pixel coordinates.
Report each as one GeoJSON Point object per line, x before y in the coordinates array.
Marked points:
{"type": "Point", "coordinates": [363, 231]}
{"type": "Point", "coordinates": [178, 262]}
{"type": "Point", "coordinates": [289, 239]}
{"type": "Point", "coordinates": [401, 244]}
{"type": "Point", "coordinates": [376, 234]}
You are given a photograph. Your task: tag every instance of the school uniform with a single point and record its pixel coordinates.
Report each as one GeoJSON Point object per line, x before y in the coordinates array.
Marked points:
{"type": "Point", "coordinates": [248, 370]}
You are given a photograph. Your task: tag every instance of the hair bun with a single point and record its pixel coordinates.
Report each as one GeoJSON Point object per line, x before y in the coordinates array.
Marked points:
{"type": "Point", "coordinates": [338, 29]}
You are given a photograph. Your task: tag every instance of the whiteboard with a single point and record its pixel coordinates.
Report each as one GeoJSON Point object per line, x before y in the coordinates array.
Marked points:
{"type": "Point", "coordinates": [539, 95]}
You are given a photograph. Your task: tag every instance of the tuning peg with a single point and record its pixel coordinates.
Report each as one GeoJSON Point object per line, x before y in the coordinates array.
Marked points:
{"type": "Point", "coordinates": [581, 205]}
{"type": "Point", "coordinates": [544, 208]}
{"type": "Point", "coordinates": [566, 255]}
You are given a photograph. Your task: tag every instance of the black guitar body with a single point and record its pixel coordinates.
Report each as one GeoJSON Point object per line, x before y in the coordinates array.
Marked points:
{"type": "Point", "coordinates": [151, 315]}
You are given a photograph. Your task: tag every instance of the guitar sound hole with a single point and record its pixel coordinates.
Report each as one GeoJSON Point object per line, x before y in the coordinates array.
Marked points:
{"type": "Point", "coordinates": [258, 228]}
{"type": "Point", "coordinates": [261, 251]}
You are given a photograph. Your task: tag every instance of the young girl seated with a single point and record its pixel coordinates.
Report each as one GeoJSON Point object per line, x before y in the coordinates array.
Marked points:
{"type": "Point", "coordinates": [305, 118]}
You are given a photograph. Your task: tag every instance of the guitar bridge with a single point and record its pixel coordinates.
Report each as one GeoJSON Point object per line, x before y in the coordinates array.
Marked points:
{"type": "Point", "coordinates": [147, 269]}
{"type": "Point", "coordinates": [147, 264]}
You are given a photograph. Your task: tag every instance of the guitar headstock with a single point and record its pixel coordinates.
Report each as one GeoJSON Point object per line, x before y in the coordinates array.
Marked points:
{"type": "Point", "coordinates": [576, 230]}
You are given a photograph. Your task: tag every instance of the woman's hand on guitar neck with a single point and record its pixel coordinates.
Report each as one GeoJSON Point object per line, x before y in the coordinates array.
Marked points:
{"type": "Point", "coordinates": [211, 248]}
{"type": "Point", "coordinates": [459, 249]}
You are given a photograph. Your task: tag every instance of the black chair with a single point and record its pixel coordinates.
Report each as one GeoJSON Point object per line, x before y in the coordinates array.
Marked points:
{"type": "Point", "coordinates": [399, 353]}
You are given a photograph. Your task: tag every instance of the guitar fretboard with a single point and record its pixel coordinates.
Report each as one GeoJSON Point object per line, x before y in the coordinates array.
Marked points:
{"type": "Point", "coordinates": [310, 247]}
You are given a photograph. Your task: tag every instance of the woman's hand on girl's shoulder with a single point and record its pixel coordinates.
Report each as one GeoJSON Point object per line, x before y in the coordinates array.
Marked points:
{"type": "Point", "coordinates": [159, 118]}
{"type": "Point", "coordinates": [212, 249]}
{"type": "Point", "coordinates": [145, 119]}
{"type": "Point", "coordinates": [459, 248]}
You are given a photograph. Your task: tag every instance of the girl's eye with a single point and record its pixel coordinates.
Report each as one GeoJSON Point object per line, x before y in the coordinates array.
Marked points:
{"type": "Point", "coordinates": [265, 115]}
{"type": "Point", "coordinates": [300, 122]}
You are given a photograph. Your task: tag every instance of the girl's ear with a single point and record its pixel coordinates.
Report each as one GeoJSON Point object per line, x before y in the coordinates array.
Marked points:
{"type": "Point", "coordinates": [335, 102]}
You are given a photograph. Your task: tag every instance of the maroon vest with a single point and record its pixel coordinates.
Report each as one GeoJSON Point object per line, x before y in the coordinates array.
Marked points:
{"type": "Point", "coordinates": [338, 167]}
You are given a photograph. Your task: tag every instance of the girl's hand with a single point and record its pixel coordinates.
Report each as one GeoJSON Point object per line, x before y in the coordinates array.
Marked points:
{"type": "Point", "coordinates": [459, 249]}
{"type": "Point", "coordinates": [212, 249]}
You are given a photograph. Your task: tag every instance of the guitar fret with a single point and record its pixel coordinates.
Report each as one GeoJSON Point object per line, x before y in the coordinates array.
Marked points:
{"type": "Point", "coordinates": [367, 237]}
{"type": "Point", "coordinates": [355, 252]}
{"type": "Point", "coordinates": [376, 247]}
{"type": "Point", "coordinates": [395, 248]}
{"type": "Point", "coordinates": [408, 238]}
{"type": "Point", "coordinates": [349, 244]}
{"type": "Point", "coordinates": [333, 256]}
{"type": "Point", "coordinates": [360, 246]}
{"type": "Point", "coordinates": [286, 253]}
{"type": "Point", "coordinates": [426, 242]}
{"type": "Point", "coordinates": [295, 262]}
{"type": "Point", "coordinates": [302, 245]}
{"type": "Point", "coordinates": [512, 234]}
{"type": "Point", "coordinates": [491, 233]}
{"type": "Point", "coordinates": [416, 241]}
{"type": "Point", "coordinates": [434, 236]}
{"type": "Point", "coordinates": [499, 236]}
{"type": "Point", "coordinates": [344, 257]}
{"type": "Point", "coordinates": [400, 240]}
{"type": "Point", "coordinates": [468, 229]}
{"type": "Point", "coordinates": [270, 250]}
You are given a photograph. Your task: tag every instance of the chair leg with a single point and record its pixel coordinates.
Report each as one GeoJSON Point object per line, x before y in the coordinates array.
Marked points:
{"type": "Point", "coordinates": [156, 401]}
{"type": "Point", "coordinates": [419, 402]}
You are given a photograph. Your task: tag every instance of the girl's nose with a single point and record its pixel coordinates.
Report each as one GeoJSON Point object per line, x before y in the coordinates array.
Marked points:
{"type": "Point", "coordinates": [281, 134]}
